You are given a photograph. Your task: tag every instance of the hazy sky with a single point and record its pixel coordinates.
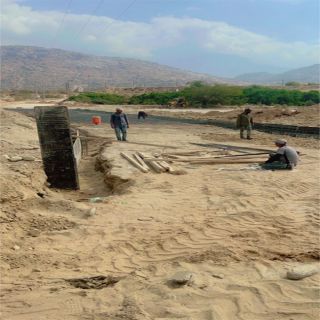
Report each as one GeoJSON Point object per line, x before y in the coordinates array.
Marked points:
{"type": "Point", "coordinates": [220, 37]}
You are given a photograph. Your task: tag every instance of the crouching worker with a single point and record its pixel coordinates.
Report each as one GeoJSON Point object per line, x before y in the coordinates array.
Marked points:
{"type": "Point", "coordinates": [120, 124]}
{"type": "Point", "coordinates": [142, 114]}
{"type": "Point", "coordinates": [285, 157]}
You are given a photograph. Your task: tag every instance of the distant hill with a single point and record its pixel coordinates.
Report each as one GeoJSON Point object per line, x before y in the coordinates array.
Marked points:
{"type": "Point", "coordinates": [24, 67]}
{"type": "Point", "coordinates": [310, 74]}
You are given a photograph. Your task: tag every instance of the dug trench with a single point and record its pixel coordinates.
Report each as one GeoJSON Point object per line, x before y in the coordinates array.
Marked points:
{"type": "Point", "coordinates": [237, 231]}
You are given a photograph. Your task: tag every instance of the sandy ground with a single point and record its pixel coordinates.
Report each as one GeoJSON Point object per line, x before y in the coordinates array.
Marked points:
{"type": "Point", "coordinates": [292, 115]}
{"type": "Point", "coordinates": [237, 231]}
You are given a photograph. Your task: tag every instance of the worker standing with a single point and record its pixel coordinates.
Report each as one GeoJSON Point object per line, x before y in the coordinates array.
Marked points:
{"type": "Point", "coordinates": [245, 123]}
{"type": "Point", "coordinates": [120, 124]}
{"type": "Point", "coordinates": [285, 157]}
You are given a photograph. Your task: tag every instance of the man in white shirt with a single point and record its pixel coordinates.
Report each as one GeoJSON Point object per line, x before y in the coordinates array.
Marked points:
{"type": "Point", "coordinates": [285, 157]}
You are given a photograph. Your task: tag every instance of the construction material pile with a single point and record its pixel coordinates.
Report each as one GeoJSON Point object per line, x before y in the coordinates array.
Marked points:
{"type": "Point", "coordinates": [220, 154]}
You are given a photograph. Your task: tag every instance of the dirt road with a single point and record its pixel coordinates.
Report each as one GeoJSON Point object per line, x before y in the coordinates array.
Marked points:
{"type": "Point", "coordinates": [237, 232]}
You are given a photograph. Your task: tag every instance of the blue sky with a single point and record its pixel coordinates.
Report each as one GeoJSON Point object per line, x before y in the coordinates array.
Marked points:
{"type": "Point", "coordinates": [220, 37]}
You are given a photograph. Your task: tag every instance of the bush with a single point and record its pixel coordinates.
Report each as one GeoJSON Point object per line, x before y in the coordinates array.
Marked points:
{"type": "Point", "coordinates": [98, 98]}
{"type": "Point", "coordinates": [154, 98]}
{"type": "Point", "coordinates": [210, 96]}
{"type": "Point", "coordinates": [200, 95]}
{"type": "Point", "coordinates": [268, 96]}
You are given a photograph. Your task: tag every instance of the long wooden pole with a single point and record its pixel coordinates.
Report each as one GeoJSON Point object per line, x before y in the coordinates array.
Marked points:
{"type": "Point", "coordinates": [134, 162]}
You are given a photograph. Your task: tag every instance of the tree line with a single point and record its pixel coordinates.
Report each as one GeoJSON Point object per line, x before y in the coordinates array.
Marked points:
{"type": "Point", "coordinates": [199, 95]}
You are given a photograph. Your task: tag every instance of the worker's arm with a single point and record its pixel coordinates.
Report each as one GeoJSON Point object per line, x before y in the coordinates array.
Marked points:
{"type": "Point", "coordinates": [125, 117]}
{"type": "Point", "coordinates": [112, 121]}
{"type": "Point", "coordinates": [274, 157]}
{"type": "Point", "coordinates": [251, 121]}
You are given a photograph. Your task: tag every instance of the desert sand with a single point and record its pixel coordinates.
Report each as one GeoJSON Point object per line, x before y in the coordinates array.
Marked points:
{"type": "Point", "coordinates": [237, 231]}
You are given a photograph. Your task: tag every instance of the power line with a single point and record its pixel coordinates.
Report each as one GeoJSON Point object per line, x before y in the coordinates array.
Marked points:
{"type": "Point", "coordinates": [120, 14]}
{"type": "Point", "coordinates": [108, 26]}
{"type": "Point", "coordinates": [90, 17]}
{"type": "Point", "coordinates": [62, 20]}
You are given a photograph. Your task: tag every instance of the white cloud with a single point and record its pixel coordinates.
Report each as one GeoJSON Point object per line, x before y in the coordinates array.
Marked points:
{"type": "Point", "coordinates": [103, 35]}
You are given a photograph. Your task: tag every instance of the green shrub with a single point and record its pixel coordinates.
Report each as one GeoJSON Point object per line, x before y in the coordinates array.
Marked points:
{"type": "Point", "coordinates": [201, 95]}
{"type": "Point", "coordinates": [161, 98]}
{"type": "Point", "coordinates": [98, 98]}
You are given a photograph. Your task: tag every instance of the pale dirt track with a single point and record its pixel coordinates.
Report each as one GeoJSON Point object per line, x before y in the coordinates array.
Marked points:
{"type": "Point", "coordinates": [237, 231]}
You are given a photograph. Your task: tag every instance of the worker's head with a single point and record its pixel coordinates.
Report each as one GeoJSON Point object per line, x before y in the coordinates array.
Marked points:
{"type": "Point", "coordinates": [280, 142]}
{"type": "Point", "coordinates": [118, 110]}
{"type": "Point", "coordinates": [247, 110]}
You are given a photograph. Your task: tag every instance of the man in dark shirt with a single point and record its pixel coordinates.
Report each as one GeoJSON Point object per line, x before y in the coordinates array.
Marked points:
{"type": "Point", "coordinates": [120, 124]}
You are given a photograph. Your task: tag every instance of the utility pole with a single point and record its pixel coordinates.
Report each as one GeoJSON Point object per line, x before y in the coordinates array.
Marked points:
{"type": "Point", "coordinates": [68, 87]}
{"type": "Point", "coordinates": [88, 82]}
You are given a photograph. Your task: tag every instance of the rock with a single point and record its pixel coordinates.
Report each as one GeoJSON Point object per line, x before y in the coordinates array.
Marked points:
{"type": "Point", "coordinates": [6, 156]}
{"type": "Point", "coordinates": [301, 272]}
{"type": "Point", "coordinates": [41, 194]}
{"type": "Point", "coordinates": [36, 270]}
{"type": "Point", "coordinates": [34, 233]}
{"type": "Point", "coordinates": [181, 278]}
{"type": "Point", "coordinates": [145, 219]}
{"type": "Point", "coordinates": [15, 158]}
{"type": "Point", "coordinates": [219, 276]}
{"type": "Point", "coordinates": [96, 199]}
{"type": "Point", "coordinates": [28, 158]}
{"type": "Point", "coordinates": [15, 247]}
{"type": "Point", "coordinates": [92, 212]}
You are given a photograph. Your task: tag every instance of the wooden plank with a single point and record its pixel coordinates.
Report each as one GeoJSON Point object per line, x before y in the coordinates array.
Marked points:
{"type": "Point", "coordinates": [227, 161]}
{"type": "Point", "coordinates": [140, 160]}
{"type": "Point", "coordinates": [155, 166]}
{"type": "Point", "coordinates": [56, 147]}
{"type": "Point", "coordinates": [134, 162]}
{"type": "Point", "coordinates": [231, 147]}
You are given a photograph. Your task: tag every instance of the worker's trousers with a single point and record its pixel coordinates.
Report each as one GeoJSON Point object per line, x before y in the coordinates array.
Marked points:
{"type": "Point", "coordinates": [121, 133]}
{"type": "Point", "coordinates": [248, 129]}
{"type": "Point", "coordinates": [277, 165]}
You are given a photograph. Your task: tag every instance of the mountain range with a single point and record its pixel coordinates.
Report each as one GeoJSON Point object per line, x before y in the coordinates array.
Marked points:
{"type": "Point", "coordinates": [36, 68]}
{"type": "Point", "coordinates": [310, 74]}
{"type": "Point", "coordinates": [26, 67]}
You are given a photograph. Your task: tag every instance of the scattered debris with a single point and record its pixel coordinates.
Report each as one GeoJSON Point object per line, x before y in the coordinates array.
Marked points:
{"type": "Point", "coordinates": [28, 158]}
{"type": "Point", "coordinates": [34, 233]}
{"type": "Point", "coordinates": [96, 199]}
{"type": "Point", "coordinates": [41, 194]}
{"type": "Point", "coordinates": [181, 278]}
{"type": "Point", "coordinates": [97, 282]}
{"type": "Point", "coordinates": [145, 219]}
{"type": "Point", "coordinates": [15, 158]}
{"type": "Point", "coordinates": [15, 247]}
{"type": "Point", "coordinates": [92, 212]}
{"type": "Point", "coordinates": [302, 271]}
{"type": "Point", "coordinates": [19, 158]}
{"type": "Point", "coordinates": [218, 276]}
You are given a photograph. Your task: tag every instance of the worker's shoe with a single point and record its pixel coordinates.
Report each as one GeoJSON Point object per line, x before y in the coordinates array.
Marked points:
{"type": "Point", "coordinates": [249, 138]}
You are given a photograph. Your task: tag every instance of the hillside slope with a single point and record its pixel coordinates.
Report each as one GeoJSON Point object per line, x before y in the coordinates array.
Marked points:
{"type": "Point", "coordinates": [33, 68]}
